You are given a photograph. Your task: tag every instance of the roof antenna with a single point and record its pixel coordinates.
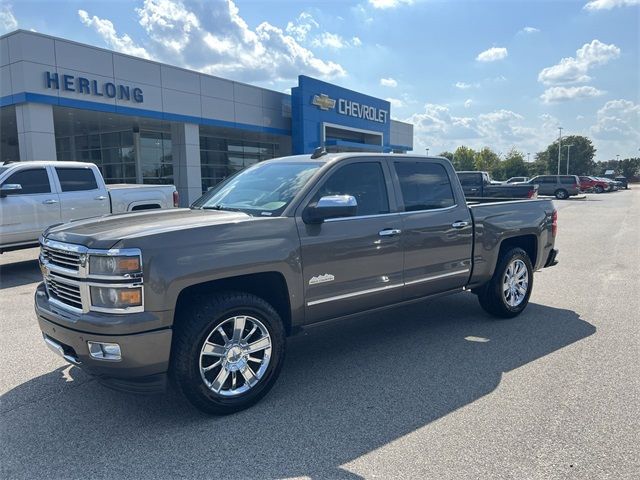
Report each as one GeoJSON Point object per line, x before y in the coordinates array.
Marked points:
{"type": "Point", "coordinates": [318, 152]}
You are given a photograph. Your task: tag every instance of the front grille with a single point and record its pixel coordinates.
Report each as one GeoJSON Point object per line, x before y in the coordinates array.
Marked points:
{"type": "Point", "coordinates": [64, 292]}
{"type": "Point", "coordinates": [65, 259]}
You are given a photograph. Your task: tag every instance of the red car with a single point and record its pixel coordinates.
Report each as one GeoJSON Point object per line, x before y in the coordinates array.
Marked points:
{"type": "Point", "coordinates": [592, 184]}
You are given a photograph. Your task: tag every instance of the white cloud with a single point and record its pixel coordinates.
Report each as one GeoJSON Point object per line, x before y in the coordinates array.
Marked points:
{"type": "Point", "coordinates": [462, 85]}
{"type": "Point", "coordinates": [301, 26]}
{"type": "Point", "coordinates": [331, 40]}
{"type": "Point", "coordinates": [549, 122]}
{"type": "Point", "coordinates": [395, 102]}
{"type": "Point", "coordinates": [8, 21]}
{"type": "Point", "coordinates": [356, 42]}
{"type": "Point", "coordinates": [467, 103]}
{"type": "Point", "coordinates": [107, 31]}
{"type": "Point", "coordinates": [388, 82]}
{"type": "Point", "coordinates": [575, 69]}
{"type": "Point", "coordinates": [529, 30]}
{"type": "Point", "coordinates": [609, 4]}
{"type": "Point", "coordinates": [212, 37]}
{"type": "Point", "coordinates": [492, 54]}
{"type": "Point", "coordinates": [385, 4]}
{"type": "Point", "coordinates": [618, 119]}
{"type": "Point", "coordinates": [561, 94]}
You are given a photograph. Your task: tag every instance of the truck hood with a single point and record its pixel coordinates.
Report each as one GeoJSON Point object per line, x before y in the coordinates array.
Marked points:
{"type": "Point", "coordinates": [106, 231]}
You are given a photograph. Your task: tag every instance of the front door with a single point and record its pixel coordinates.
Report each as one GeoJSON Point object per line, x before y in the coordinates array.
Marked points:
{"type": "Point", "coordinates": [24, 215]}
{"type": "Point", "coordinates": [352, 264]}
{"type": "Point", "coordinates": [437, 230]}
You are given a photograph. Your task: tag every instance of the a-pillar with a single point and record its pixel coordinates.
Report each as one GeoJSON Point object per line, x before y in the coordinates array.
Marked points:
{"type": "Point", "coordinates": [185, 147]}
{"type": "Point", "coordinates": [36, 134]}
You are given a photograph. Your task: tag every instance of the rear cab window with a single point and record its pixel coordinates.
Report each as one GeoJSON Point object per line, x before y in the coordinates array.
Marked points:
{"type": "Point", "coordinates": [470, 179]}
{"type": "Point", "coordinates": [424, 186]}
{"type": "Point", "coordinates": [76, 179]}
{"type": "Point", "coordinates": [32, 181]}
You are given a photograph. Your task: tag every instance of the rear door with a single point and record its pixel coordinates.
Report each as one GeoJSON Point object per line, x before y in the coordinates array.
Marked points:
{"type": "Point", "coordinates": [26, 214]}
{"type": "Point", "coordinates": [352, 264]}
{"type": "Point", "coordinates": [437, 230]}
{"type": "Point", "coordinates": [81, 194]}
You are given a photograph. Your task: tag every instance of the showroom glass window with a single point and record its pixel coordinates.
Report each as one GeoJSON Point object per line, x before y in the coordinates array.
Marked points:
{"type": "Point", "coordinates": [424, 186]}
{"type": "Point", "coordinates": [364, 181]}
{"type": "Point", "coordinates": [156, 158]}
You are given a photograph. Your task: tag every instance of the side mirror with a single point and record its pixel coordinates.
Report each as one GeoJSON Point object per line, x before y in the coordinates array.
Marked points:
{"type": "Point", "coordinates": [331, 206]}
{"type": "Point", "coordinates": [10, 189]}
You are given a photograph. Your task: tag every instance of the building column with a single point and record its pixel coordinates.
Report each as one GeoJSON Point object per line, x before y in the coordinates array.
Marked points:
{"type": "Point", "coordinates": [36, 134]}
{"type": "Point", "coordinates": [185, 148]}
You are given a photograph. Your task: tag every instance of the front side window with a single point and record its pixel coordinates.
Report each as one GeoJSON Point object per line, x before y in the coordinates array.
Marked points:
{"type": "Point", "coordinates": [264, 189]}
{"type": "Point", "coordinates": [364, 181]}
{"type": "Point", "coordinates": [76, 179]}
{"type": "Point", "coordinates": [32, 181]}
{"type": "Point", "coordinates": [424, 186]}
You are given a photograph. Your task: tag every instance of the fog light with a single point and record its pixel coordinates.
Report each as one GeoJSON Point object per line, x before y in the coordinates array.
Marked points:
{"type": "Point", "coordinates": [105, 351]}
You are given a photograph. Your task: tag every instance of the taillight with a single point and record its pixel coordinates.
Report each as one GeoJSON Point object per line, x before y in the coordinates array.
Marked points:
{"type": "Point", "coordinates": [554, 223]}
{"type": "Point", "coordinates": [176, 198]}
{"type": "Point", "coordinates": [533, 193]}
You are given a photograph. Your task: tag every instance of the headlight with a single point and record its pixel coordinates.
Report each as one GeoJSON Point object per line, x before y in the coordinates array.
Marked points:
{"type": "Point", "coordinates": [116, 297]}
{"type": "Point", "coordinates": [114, 265]}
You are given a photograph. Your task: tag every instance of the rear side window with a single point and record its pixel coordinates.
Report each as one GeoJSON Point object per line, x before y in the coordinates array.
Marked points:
{"type": "Point", "coordinates": [76, 179]}
{"type": "Point", "coordinates": [470, 179]}
{"type": "Point", "coordinates": [364, 181]}
{"type": "Point", "coordinates": [424, 186]}
{"type": "Point", "coordinates": [545, 179]}
{"type": "Point", "coordinates": [32, 181]}
{"type": "Point", "coordinates": [568, 180]}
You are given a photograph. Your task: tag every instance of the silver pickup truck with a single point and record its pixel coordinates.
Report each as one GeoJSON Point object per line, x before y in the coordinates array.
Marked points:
{"type": "Point", "coordinates": [207, 295]}
{"type": "Point", "coordinates": [35, 195]}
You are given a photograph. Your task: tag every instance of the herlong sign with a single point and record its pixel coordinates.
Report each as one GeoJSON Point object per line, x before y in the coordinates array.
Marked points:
{"type": "Point", "coordinates": [71, 83]}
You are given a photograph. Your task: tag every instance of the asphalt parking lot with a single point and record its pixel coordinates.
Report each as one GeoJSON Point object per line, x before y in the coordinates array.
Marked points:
{"type": "Point", "coordinates": [436, 390]}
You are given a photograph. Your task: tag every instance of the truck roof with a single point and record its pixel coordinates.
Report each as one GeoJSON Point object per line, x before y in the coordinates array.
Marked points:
{"type": "Point", "coordinates": [44, 163]}
{"type": "Point", "coordinates": [332, 157]}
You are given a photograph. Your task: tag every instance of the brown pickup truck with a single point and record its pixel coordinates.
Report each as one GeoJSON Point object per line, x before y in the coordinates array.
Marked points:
{"type": "Point", "coordinates": [207, 295]}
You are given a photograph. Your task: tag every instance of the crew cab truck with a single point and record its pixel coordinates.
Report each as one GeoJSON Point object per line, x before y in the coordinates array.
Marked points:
{"type": "Point", "coordinates": [479, 185]}
{"type": "Point", "coordinates": [35, 195]}
{"type": "Point", "coordinates": [206, 295]}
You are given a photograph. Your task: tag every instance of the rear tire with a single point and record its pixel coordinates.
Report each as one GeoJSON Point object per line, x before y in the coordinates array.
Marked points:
{"type": "Point", "coordinates": [220, 371]}
{"type": "Point", "coordinates": [561, 194]}
{"type": "Point", "coordinates": [507, 293]}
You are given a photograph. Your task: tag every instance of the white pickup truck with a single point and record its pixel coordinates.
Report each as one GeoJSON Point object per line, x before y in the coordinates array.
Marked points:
{"type": "Point", "coordinates": [35, 195]}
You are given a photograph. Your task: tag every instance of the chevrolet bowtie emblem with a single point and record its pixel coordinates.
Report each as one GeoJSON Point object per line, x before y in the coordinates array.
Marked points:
{"type": "Point", "coordinates": [323, 101]}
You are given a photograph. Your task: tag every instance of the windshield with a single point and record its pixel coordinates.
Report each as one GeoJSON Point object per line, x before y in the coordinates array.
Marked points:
{"type": "Point", "coordinates": [261, 190]}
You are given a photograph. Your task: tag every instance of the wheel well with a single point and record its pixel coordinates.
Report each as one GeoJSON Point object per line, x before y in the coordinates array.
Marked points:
{"type": "Point", "coordinates": [529, 243]}
{"type": "Point", "coordinates": [270, 286]}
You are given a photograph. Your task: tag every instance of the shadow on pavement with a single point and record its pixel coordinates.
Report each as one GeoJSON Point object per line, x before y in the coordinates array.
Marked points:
{"type": "Point", "coordinates": [19, 273]}
{"type": "Point", "coordinates": [346, 389]}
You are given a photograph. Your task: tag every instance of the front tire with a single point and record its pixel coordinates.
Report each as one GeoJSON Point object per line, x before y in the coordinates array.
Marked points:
{"type": "Point", "coordinates": [227, 352]}
{"type": "Point", "coordinates": [507, 293]}
{"type": "Point", "coordinates": [561, 194]}
{"type": "Point", "coordinates": [599, 189]}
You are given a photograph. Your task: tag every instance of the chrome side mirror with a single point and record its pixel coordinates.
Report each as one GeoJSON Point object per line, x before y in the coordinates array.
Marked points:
{"type": "Point", "coordinates": [330, 206]}
{"type": "Point", "coordinates": [10, 189]}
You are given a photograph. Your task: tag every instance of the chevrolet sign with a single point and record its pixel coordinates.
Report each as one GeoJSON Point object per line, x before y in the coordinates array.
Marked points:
{"type": "Point", "coordinates": [350, 108]}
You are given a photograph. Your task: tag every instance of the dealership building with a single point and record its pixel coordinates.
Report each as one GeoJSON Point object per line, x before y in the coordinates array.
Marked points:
{"type": "Point", "coordinates": [146, 122]}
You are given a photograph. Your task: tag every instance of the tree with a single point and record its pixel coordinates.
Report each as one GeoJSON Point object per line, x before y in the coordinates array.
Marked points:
{"type": "Point", "coordinates": [486, 160]}
{"type": "Point", "coordinates": [580, 158]}
{"type": "Point", "coordinates": [512, 166]}
{"type": "Point", "coordinates": [629, 167]}
{"type": "Point", "coordinates": [447, 155]}
{"type": "Point", "coordinates": [538, 167]}
{"type": "Point", "coordinates": [463, 158]}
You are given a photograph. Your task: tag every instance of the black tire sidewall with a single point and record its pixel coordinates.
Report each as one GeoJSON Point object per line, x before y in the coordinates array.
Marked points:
{"type": "Point", "coordinates": [562, 194]}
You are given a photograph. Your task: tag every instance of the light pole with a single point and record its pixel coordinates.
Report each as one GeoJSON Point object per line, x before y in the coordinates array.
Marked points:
{"type": "Point", "coordinates": [427, 151]}
{"type": "Point", "coordinates": [528, 157]}
{"type": "Point", "coordinates": [559, 148]}
{"type": "Point", "coordinates": [568, 150]}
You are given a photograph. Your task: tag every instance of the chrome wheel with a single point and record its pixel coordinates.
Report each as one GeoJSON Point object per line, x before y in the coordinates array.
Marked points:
{"type": "Point", "coordinates": [515, 283]}
{"type": "Point", "coordinates": [235, 355]}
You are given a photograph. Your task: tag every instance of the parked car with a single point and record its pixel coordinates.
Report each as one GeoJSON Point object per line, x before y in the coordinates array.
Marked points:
{"type": "Point", "coordinates": [560, 186]}
{"type": "Point", "coordinates": [593, 184]}
{"type": "Point", "coordinates": [517, 180]}
{"type": "Point", "coordinates": [35, 195]}
{"type": "Point", "coordinates": [624, 182]}
{"type": "Point", "coordinates": [479, 185]}
{"type": "Point", "coordinates": [613, 186]}
{"type": "Point", "coordinates": [208, 294]}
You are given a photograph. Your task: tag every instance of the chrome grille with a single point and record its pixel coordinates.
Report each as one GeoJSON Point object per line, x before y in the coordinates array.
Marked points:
{"type": "Point", "coordinates": [64, 259]}
{"type": "Point", "coordinates": [64, 292]}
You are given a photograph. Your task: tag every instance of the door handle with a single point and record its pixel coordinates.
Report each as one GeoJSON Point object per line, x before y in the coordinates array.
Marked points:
{"type": "Point", "coordinates": [459, 224]}
{"type": "Point", "coordinates": [389, 232]}
{"type": "Point", "coordinates": [51, 201]}
{"type": "Point", "coordinates": [101, 197]}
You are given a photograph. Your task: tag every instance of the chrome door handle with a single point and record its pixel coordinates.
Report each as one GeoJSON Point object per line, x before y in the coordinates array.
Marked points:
{"type": "Point", "coordinates": [389, 232]}
{"type": "Point", "coordinates": [51, 201]}
{"type": "Point", "coordinates": [101, 197]}
{"type": "Point", "coordinates": [459, 224]}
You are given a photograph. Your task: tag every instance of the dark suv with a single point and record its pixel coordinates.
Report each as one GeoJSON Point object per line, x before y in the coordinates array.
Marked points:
{"type": "Point", "coordinates": [560, 186]}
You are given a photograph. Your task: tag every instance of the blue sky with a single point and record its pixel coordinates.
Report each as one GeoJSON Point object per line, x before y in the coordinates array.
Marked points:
{"type": "Point", "coordinates": [501, 74]}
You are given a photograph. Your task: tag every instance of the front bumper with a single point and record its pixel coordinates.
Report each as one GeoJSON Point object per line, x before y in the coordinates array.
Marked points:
{"type": "Point", "coordinates": [145, 356]}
